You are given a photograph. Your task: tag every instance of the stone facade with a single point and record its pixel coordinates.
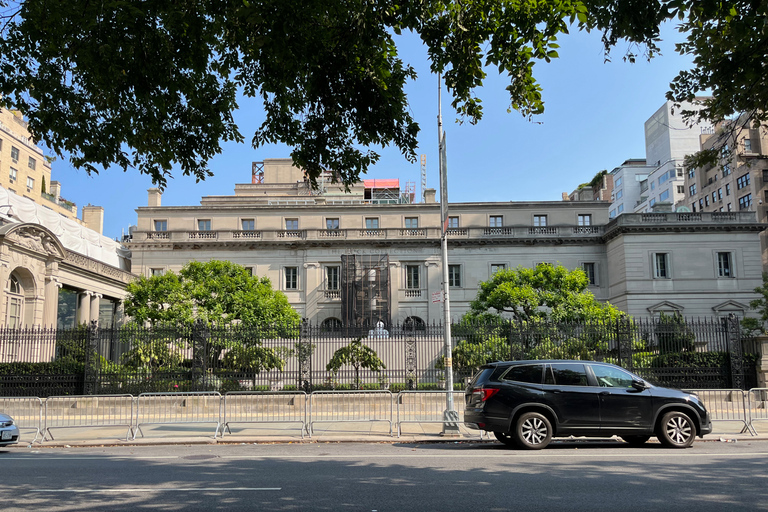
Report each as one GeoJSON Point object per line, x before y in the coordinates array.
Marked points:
{"type": "Point", "coordinates": [295, 236]}
{"type": "Point", "coordinates": [34, 266]}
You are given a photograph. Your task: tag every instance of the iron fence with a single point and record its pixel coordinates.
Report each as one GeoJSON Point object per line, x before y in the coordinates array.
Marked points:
{"type": "Point", "coordinates": [692, 353]}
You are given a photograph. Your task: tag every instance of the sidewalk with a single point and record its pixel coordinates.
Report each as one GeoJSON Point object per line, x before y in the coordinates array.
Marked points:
{"type": "Point", "coordinates": [350, 432]}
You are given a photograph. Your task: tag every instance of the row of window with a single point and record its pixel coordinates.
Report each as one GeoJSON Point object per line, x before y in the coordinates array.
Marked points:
{"type": "Point", "coordinates": [494, 221]}
{"type": "Point", "coordinates": [31, 162]}
{"type": "Point", "coordinates": [412, 275]}
{"type": "Point", "coordinates": [14, 175]}
{"type": "Point", "coordinates": [717, 197]}
{"type": "Point", "coordinates": [662, 265]}
{"type": "Point", "coordinates": [661, 270]}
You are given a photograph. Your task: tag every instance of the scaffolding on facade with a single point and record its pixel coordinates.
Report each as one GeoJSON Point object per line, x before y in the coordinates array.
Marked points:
{"type": "Point", "coordinates": [365, 290]}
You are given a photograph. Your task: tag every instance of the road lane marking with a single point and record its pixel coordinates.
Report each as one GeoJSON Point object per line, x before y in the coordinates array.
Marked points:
{"type": "Point", "coordinates": [161, 489]}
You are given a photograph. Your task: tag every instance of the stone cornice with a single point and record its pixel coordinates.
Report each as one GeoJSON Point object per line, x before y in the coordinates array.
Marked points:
{"type": "Point", "coordinates": [97, 268]}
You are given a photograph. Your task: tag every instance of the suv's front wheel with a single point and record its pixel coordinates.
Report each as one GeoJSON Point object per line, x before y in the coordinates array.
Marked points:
{"type": "Point", "coordinates": [676, 430]}
{"type": "Point", "coordinates": [533, 431]}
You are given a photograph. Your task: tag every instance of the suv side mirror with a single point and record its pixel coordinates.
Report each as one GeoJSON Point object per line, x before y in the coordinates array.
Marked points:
{"type": "Point", "coordinates": [639, 385]}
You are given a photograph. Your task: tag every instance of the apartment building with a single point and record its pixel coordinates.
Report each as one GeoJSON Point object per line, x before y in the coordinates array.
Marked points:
{"type": "Point", "coordinates": [738, 181]}
{"type": "Point", "coordinates": [25, 171]}
{"type": "Point", "coordinates": [374, 254]}
{"type": "Point", "coordinates": [630, 181]}
{"type": "Point", "coordinates": [669, 138]}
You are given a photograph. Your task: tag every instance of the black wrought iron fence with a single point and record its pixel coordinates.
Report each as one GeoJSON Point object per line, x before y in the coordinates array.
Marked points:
{"type": "Point", "coordinates": [701, 353]}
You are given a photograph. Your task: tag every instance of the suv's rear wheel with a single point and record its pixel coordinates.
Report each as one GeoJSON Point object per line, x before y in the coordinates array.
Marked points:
{"type": "Point", "coordinates": [676, 430]}
{"type": "Point", "coordinates": [636, 440]}
{"type": "Point", "coordinates": [533, 431]}
{"type": "Point", "coordinates": [505, 438]}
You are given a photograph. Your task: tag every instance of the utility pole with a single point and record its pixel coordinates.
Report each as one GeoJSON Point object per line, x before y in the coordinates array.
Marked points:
{"type": "Point", "coordinates": [450, 416]}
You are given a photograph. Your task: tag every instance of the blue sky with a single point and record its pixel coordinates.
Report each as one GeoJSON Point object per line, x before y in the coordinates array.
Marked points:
{"type": "Point", "coordinates": [593, 120]}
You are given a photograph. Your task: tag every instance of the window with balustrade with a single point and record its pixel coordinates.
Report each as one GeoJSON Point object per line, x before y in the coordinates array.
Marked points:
{"type": "Point", "coordinates": [412, 274]}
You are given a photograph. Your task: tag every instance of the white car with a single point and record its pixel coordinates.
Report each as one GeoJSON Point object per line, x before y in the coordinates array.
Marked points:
{"type": "Point", "coordinates": [9, 432]}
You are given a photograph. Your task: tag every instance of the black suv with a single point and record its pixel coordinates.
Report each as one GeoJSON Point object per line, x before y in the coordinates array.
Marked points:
{"type": "Point", "coordinates": [527, 403]}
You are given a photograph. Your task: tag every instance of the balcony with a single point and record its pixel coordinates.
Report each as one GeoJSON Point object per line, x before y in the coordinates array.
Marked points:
{"type": "Point", "coordinates": [427, 234]}
{"type": "Point", "coordinates": [680, 218]}
{"type": "Point", "coordinates": [332, 294]}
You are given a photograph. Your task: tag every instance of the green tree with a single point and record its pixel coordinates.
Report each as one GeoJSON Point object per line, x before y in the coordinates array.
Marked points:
{"type": "Point", "coordinates": [233, 309]}
{"type": "Point", "coordinates": [761, 306]}
{"type": "Point", "coordinates": [216, 292]}
{"type": "Point", "coordinates": [673, 334]}
{"type": "Point", "coordinates": [157, 300]}
{"type": "Point", "coordinates": [148, 85]}
{"type": "Point", "coordinates": [468, 356]}
{"type": "Point", "coordinates": [356, 355]}
{"type": "Point", "coordinates": [547, 292]}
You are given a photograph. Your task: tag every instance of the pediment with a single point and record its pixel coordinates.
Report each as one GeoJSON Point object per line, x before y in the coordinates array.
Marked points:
{"type": "Point", "coordinates": [665, 306]}
{"type": "Point", "coordinates": [33, 237]}
{"type": "Point", "coordinates": [730, 305]}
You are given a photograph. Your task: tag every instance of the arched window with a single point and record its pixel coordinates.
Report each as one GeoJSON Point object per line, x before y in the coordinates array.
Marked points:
{"type": "Point", "coordinates": [15, 309]}
{"type": "Point", "coordinates": [414, 323]}
{"type": "Point", "coordinates": [331, 324]}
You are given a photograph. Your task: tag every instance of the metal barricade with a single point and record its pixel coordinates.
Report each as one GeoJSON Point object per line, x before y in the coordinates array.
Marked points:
{"type": "Point", "coordinates": [757, 398]}
{"type": "Point", "coordinates": [429, 407]}
{"type": "Point", "coordinates": [26, 411]}
{"type": "Point", "coordinates": [88, 411]}
{"type": "Point", "coordinates": [350, 406]}
{"type": "Point", "coordinates": [264, 407]}
{"type": "Point", "coordinates": [726, 405]}
{"type": "Point", "coordinates": [175, 408]}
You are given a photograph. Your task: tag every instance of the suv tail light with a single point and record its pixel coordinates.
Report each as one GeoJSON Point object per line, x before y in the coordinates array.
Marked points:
{"type": "Point", "coordinates": [483, 394]}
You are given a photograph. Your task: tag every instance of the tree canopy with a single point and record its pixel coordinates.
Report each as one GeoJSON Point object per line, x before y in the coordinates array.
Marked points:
{"type": "Point", "coordinates": [545, 292]}
{"type": "Point", "coordinates": [150, 85]}
{"type": "Point", "coordinates": [216, 292]}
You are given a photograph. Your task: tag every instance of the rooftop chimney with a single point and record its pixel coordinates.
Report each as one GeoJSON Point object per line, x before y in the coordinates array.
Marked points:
{"type": "Point", "coordinates": [93, 217]}
{"type": "Point", "coordinates": [154, 197]}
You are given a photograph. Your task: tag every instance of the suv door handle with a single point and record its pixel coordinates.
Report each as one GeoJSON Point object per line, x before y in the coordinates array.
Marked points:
{"type": "Point", "coordinates": [605, 393]}
{"type": "Point", "coordinates": [556, 391]}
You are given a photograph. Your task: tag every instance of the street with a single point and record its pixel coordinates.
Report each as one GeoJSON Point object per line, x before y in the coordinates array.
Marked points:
{"type": "Point", "coordinates": [388, 477]}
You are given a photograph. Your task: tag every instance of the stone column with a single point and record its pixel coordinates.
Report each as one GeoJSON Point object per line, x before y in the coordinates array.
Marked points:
{"type": "Point", "coordinates": [51, 306]}
{"type": "Point", "coordinates": [762, 364]}
{"type": "Point", "coordinates": [83, 307]}
{"type": "Point", "coordinates": [312, 289]}
{"type": "Point", "coordinates": [395, 280]}
{"type": "Point", "coordinates": [94, 313]}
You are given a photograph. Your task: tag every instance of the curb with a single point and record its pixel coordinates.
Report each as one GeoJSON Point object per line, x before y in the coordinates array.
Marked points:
{"type": "Point", "coordinates": [321, 440]}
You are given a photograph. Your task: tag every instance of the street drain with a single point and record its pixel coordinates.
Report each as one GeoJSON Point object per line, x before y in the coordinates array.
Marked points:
{"type": "Point", "coordinates": [200, 457]}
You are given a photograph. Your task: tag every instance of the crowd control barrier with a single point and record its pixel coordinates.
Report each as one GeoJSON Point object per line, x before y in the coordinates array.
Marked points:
{"type": "Point", "coordinates": [176, 408]}
{"type": "Point", "coordinates": [264, 407]}
{"type": "Point", "coordinates": [350, 406]}
{"type": "Point", "coordinates": [88, 411]}
{"type": "Point", "coordinates": [26, 411]}
{"type": "Point", "coordinates": [296, 407]}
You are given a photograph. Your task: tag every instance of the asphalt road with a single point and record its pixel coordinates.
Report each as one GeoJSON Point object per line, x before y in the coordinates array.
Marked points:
{"type": "Point", "coordinates": [388, 477]}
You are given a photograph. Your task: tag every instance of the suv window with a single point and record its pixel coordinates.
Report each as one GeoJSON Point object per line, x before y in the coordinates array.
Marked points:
{"type": "Point", "coordinates": [530, 373]}
{"type": "Point", "coordinates": [569, 374]}
{"type": "Point", "coordinates": [481, 376]}
{"type": "Point", "coordinates": [608, 377]}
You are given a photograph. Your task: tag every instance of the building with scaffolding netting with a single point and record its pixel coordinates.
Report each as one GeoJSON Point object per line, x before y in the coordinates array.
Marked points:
{"type": "Point", "coordinates": [365, 290]}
